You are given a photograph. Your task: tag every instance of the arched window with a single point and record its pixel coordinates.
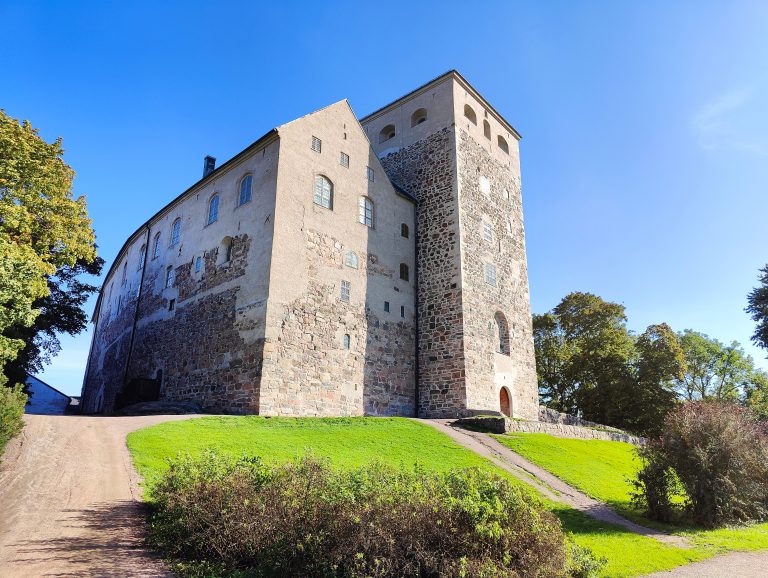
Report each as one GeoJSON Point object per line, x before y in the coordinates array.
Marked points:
{"type": "Point", "coordinates": [245, 189]}
{"type": "Point", "coordinates": [502, 333]}
{"type": "Point", "coordinates": [225, 250]}
{"type": "Point", "coordinates": [404, 273]}
{"type": "Point", "coordinates": [169, 277]}
{"type": "Point", "coordinates": [503, 144]}
{"type": "Point", "coordinates": [366, 211]}
{"type": "Point", "coordinates": [323, 192]}
{"type": "Point", "coordinates": [404, 232]}
{"type": "Point", "coordinates": [350, 260]}
{"type": "Point", "coordinates": [387, 133]}
{"type": "Point", "coordinates": [125, 273]}
{"type": "Point", "coordinates": [142, 256]}
{"type": "Point", "coordinates": [486, 129]}
{"type": "Point", "coordinates": [156, 248]}
{"type": "Point", "coordinates": [419, 116]}
{"type": "Point", "coordinates": [213, 209]}
{"type": "Point", "coordinates": [175, 232]}
{"type": "Point", "coordinates": [346, 341]}
{"type": "Point", "coordinates": [470, 114]}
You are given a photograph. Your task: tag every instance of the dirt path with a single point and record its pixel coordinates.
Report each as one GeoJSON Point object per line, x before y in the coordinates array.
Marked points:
{"type": "Point", "coordinates": [733, 565]}
{"type": "Point", "coordinates": [548, 485]}
{"type": "Point", "coordinates": [70, 502]}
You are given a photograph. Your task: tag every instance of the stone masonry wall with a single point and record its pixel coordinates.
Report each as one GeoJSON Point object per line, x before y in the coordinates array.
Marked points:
{"type": "Point", "coordinates": [500, 206]}
{"type": "Point", "coordinates": [427, 170]}
{"type": "Point", "coordinates": [307, 371]}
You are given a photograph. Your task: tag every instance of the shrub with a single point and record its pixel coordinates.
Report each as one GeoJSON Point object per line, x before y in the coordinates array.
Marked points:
{"type": "Point", "coordinates": [719, 453]}
{"type": "Point", "coordinates": [12, 403]}
{"type": "Point", "coordinates": [305, 519]}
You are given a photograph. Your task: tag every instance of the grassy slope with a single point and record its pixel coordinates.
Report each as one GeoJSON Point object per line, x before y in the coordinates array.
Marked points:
{"type": "Point", "coordinates": [603, 470]}
{"type": "Point", "coordinates": [351, 442]}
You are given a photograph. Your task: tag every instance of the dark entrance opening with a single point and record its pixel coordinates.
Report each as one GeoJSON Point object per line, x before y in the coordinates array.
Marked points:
{"type": "Point", "coordinates": [139, 390]}
{"type": "Point", "coordinates": [506, 406]}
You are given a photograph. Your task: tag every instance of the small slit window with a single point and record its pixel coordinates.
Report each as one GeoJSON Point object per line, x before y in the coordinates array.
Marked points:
{"type": "Point", "coordinates": [346, 341]}
{"type": "Point", "coordinates": [404, 232]}
{"type": "Point", "coordinates": [213, 209]}
{"type": "Point", "coordinates": [419, 116]}
{"type": "Point", "coordinates": [317, 144]}
{"type": "Point", "coordinates": [388, 132]}
{"type": "Point", "coordinates": [370, 174]}
{"type": "Point", "coordinates": [345, 289]}
{"type": "Point", "coordinates": [402, 311]}
{"type": "Point", "coordinates": [502, 334]}
{"type": "Point", "coordinates": [198, 264]}
{"type": "Point", "coordinates": [156, 248]}
{"type": "Point", "coordinates": [386, 306]}
{"type": "Point", "coordinates": [175, 232]}
{"type": "Point", "coordinates": [169, 276]}
{"type": "Point", "coordinates": [172, 305]}
{"type": "Point", "coordinates": [350, 260]}
{"type": "Point", "coordinates": [487, 129]}
{"type": "Point", "coordinates": [344, 160]}
{"type": "Point", "coordinates": [365, 215]}
{"type": "Point", "coordinates": [323, 192]}
{"type": "Point", "coordinates": [245, 189]}
{"type": "Point", "coordinates": [470, 114]}
{"type": "Point", "coordinates": [490, 274]}
{"type": "Point", "coordinates": [142, 257]}
{"type": "Point", "coordinates": [487, 231]}
{"type": "Point", "coordinates": [503, 144]}
{"type": "Point", "coordinates": [404, 273]}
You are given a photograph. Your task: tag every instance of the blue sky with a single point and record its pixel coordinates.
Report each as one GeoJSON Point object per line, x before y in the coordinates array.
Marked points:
{"type": "Point", "coordinates": [644, 123]}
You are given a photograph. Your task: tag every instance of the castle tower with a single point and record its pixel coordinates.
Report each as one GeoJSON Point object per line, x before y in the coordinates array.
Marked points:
{"type": "Point", "coordinates": [447, 146]}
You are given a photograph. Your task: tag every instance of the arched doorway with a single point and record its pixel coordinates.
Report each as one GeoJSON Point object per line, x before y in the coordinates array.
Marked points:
{"type": "Point", "coordinates": [504, 402]}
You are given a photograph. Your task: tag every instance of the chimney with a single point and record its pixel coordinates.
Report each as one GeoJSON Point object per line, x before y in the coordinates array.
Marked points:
{"type": "Point", "coordinates": [209, 164]}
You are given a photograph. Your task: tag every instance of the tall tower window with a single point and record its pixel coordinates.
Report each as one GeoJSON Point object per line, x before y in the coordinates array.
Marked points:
{"type": "Point", "coordinates": [175, 232]}
{"type": "Point", "coordinates": [404, 273]}
{"type": "Point", "coordinates": [142, 256]}
{"type": "Point", "coordinates": [370, 174]}
{"type": "Point", "coordinates": [344, 160]}
{"type": "Point", "coordinates": [156, 248]}
{"type": "Point", "coordinates": [169, 276]}
{"type": "Point", "coordinates": [213, 209]}
{"type": "Point", "coordinates": [490, 274]}
{"type": "Point", "coordinates": [345, 288]}
{"type": "Point", "coordinates": [346, 341]}
{"type": "Point", "coordinates": [487, 129]}
{"type": "Point", "coordinates": [502, 333]}
{"type": "Point", "coordinates": [198, 264]}
{"type": "Point", "coordinates": [487, 231]}
{"type": "Point", "coordinates": [323, 192]}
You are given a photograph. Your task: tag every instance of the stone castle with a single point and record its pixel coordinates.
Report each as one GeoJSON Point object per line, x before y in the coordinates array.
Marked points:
{"type": "Point", "coordinates": [337, 266]}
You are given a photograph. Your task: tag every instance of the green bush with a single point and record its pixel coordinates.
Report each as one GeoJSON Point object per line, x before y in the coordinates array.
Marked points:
{"type": "Point", "coordinates": [12, 403]}
{"type": "Point", "coordinates": [218, 515]}
{"type": "Point", "coordinates": [709, 464]}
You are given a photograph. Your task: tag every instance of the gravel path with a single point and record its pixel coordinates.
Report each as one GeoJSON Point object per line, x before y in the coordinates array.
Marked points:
{"type": "Point", "coordinates": [733, 565]}
{"type": "Point", "coordinates": [550, 486]}
{"type": "Point", "coordinates": [70, 502]}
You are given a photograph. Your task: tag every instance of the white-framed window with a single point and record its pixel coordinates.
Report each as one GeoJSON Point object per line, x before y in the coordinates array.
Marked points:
{"type": "Point", "coordinates": [344, 160]}
{"type": "Point", "coordinates": [487, 231]}
{"type": "Point", "coordinates": [350, 260]}
{"type": "Point", "coordinates": [346, 341]}
{"type": "Point", "coordinates": [198, 264]}
{"type": "Point", "coordinates": [156, 248]}
{"type": "Point", "coordinates": [213, 209]}
{"type": "Point", "coordinates": [490, 274]}
{"type": "Point", "coordinates": [323, 192]}
{"type": "Point", "coordinates": [175, 232]}
{"type": "Point", "coordinates": [169, 277]}
{"type": "Point", "coordinates": [245, 189]}
{"type": "Point", "coordinates": [370, 174]}
{"type": "Point", "coordinates": [345, 287]}
{"type": "Point", "coordinates": [142, 257]}
{"type": "Point", "coordinates": [365, 215]}
{"type": "Point", "coordinates": [317, 144]}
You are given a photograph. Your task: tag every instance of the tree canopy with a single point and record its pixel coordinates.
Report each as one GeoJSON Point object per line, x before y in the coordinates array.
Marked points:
{"type": "Point", "coordinates": [757, 307]}
{"type": "Point", "coordinates": [43, 228]}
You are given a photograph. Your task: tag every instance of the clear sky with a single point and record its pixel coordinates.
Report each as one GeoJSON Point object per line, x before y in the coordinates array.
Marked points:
{"type": "Point", "coordinates": [644, 123]}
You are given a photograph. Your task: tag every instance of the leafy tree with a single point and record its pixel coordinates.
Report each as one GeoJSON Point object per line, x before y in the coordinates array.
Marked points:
{"type": "Point", "coordinates": [61, 311]}
{"type": "Point", "coordinates": [758, 308]}
{"type": "Point", "coordinates": [42, 227]}
{"type": "Point", "coordinates": [553, 355]}
{"type": "Point", "coordinates": [756, 394]}
{"type": "Point", "coordinates": [714, 370]}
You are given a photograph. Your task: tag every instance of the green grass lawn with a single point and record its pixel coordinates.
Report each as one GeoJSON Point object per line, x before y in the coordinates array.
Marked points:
{"type": "Point", "coordinates": [351, 442]}
{"type": "Point", "coordinates": [604, 470]}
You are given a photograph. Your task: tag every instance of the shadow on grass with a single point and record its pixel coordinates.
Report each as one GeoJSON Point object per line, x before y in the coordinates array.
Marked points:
{"type": "Point", "coordinates": [105, 540]}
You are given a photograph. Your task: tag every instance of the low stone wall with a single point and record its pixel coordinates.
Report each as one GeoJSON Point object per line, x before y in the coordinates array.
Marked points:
{"type": "Point", "coordinates": [548, 415]}
{"type": "Point", "coordinates": [499, 425]}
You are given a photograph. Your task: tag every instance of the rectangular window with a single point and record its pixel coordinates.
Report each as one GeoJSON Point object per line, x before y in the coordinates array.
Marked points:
{"type": "Point", "coordinates": [345, 286]}
{"type": "Point", "coordinates": [487, 231]}
{"type": "Point", "coordinates": [490, 274]}
{"type": "Point", "coordinates": [370, 174]}
{"type": "Point", "coordinates": [402, 311]}
{"type": "Point", "coordinates": [171, 304]}
{"type": "Point", "coordinates": [198, 264]}
{"type": "Point", "coordinates": [386, 306]}
{"type": "Point", "coordinates": [365, 214]}
{"type": "Point", "coordinates": [344, 160]}
{"type": "Point", "coordinates": [317, 144]}
{"type": "Point", "coordinates": [169, 277]}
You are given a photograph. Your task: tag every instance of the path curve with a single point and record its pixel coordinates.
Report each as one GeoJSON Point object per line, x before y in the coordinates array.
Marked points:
{"type": "Point", "coordinates": [70, 504]}
{"type": "Point", "coordinates": [549, 485]}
